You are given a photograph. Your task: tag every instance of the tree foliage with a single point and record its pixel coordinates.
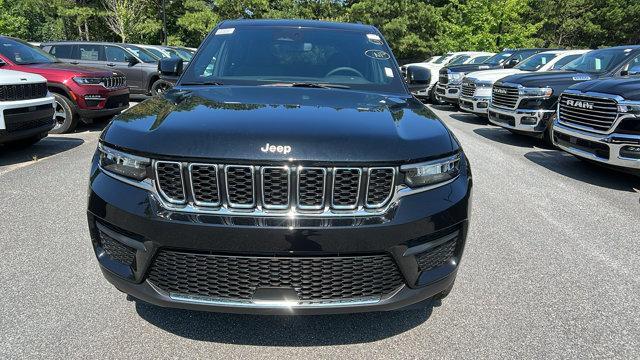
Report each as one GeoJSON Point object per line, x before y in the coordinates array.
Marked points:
{"type": "Point", "coordinates": [414, 28]}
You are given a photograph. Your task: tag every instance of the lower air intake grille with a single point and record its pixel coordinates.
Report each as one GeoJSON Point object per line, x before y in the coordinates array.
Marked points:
{"type": "Point", "coordinates": [169, 176]}
{"type": "Point", "coordinates": [312, 278]}
{"type": "Point", "coordinates": [437, 256]}
{"type": "Point", "coordinates": [116, 250]}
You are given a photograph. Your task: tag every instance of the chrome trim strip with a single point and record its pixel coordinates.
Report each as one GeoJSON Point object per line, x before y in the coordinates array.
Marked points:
{"type": "Point", "coordinates": [204, 300]}
{"type": "Point", "coordinates": [253, 186]}
{"type": "Point", "coordinates": [333, 189]}
{"type": "Point", "coordinates": [193, 192]}
{"type": "Point", "coordinates": [324, 189]}
{"type": "Point", "coordinates": [167, 197]}
{"type": "Point", "coordinates": [366, 195]}
{"type": "Point", "coordinates": [431, 244]}
{"type": "Point", "coordinates": [271, 206]}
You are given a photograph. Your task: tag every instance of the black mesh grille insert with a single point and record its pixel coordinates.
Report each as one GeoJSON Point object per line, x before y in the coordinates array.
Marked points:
{"type": "Point", "coordinates": [311, 188]}
{"type": "Point", "coordinates": [313, 278]}
{"type": "Point", "coordinates": [437, 256]}
{"type": "Point", "coordinates": [204, 182]}
{"type": "Point", "coordinates": [169, 176]}
{"type": "Point", "coordinates": [380, 186]}
{"type": "Point", "coordinates": [116, 250]}
{"type": "Point", "coordinates": [22, 91]}
{"type": "Point", "coordinates": [240, 186]}
{"type": "Point", "coordinates": [275, 187]}
{"type": "Point", "coordinates": [346, 183]}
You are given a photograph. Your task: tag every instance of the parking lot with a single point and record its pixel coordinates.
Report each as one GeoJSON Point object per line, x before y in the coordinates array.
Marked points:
{"type": "Point", "coordinates": [550, 270]}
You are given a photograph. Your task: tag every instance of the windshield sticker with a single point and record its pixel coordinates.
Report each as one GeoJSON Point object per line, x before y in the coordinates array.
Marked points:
{"type": "Point", "coordinates": [388, 72]}
{"type": "Point", "coordinates": [377, 54]}
{"type": "Point", "coordinates": [374, 39]}
{"type": "Point", "coordinates": [226, 31]}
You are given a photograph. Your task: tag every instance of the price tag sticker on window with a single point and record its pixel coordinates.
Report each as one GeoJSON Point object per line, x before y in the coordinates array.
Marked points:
{"type": "Point", "coordinates": [226, 31]}
{"type": "Point", "coordinates": [388, 72]}
{"type": "Point", "coordinates": [374, 39]}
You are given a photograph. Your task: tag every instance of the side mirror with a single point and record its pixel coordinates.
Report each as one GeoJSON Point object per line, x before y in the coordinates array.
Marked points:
{"type": "Point", "coordinates": [511, 63]}
{"type": "Point", "coordinates": [633, 71]}
{"type": "Point", "coordinates": [418, 78]}
{"type": "Point", "coordinates": [170, 66]}
{"type": "Point", "coordinates": [624, 73]}
{"type": "Point", "coordinates": [132, 60]}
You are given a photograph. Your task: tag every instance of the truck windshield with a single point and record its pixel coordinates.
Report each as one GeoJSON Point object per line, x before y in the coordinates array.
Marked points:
{"type": "Point", "coordinates": [599, 61]}
{"type": "Point", "coordinates": [460, 59]}
{"type": "Point", "coordinates": [498, 58]}
{"type": "Point", "coordinates": [294, 56]}
{"type": "Point", "coordinates": [22, 53]}
{"type": "Point", "coordinates": [535, 62]}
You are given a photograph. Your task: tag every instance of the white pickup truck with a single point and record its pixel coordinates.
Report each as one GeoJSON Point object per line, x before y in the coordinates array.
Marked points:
{"type": "Point", "coordinates": [26, 108]}
{"type": "Point", "coordinates": [452, 58]}
{"type": "Point", "coordinates": [476, 86]}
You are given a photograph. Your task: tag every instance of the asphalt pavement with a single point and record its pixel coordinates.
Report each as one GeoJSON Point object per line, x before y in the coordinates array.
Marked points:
{"type": "Point", "coordinates": [550, 270]}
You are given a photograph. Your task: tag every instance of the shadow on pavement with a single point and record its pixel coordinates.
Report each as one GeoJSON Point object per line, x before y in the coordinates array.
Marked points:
{"type": "Point", "coordinates": [265, 330]}
{"type": "Point", "coordinates": [470, 119]}
{"type": "Point", "coordinates": [506, 137]}
{"type": "Point", "coordinates": [570, 166]}
{"type": "Point", "coordinates": [48, 146]}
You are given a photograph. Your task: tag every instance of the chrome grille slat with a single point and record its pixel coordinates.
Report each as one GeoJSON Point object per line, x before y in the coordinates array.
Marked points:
{"type": "Point", "coordinates": [600, 119]}
{"type": "Point", "coordinates": [508, 99]}
{"type": "Point", "coordinates": [468, 89]}
{"type": "Point", "coordinates": [223, 188]}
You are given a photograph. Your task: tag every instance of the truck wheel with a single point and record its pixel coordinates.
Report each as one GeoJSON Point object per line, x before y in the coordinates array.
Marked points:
{"type": "Point", "coordinates": [65, 118]}
{"type": "Point", "coordinates": [547, 136]}
{"type": "Point", "coordinates": [160, 86]}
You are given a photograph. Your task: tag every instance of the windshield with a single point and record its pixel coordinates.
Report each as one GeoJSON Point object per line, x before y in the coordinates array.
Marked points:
{"type": "Point", "coordinates": [599, 61]}
{"type": "Point", "coordinates": [22, 53]}
{"type": "Point", "coordinates": [479, 59]}
{"type": "Point", "coordinates": [143, 54]}
{"type": "Point", "coordinates": [460, 59]}
{"type": "Point", "coordinates": [248, 55]}
{"type": "Point", "coordinates": [498, 58]}
{"type": "Point", "coordinates": [157, 53]}
{"type": "Point", "coordinates": [441, 59]}
{"type": "Point", "coordinates": [535, 62]}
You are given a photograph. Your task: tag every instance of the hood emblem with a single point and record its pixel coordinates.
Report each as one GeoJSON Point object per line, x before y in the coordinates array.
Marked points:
{"type": "Point", "coordinates": [580, 104]}
{"type": "Point", "coordinates": [280, 149]}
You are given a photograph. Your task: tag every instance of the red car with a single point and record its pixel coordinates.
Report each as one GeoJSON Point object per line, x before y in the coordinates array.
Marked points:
{"type": "Point", "coordinates": [81, 93]}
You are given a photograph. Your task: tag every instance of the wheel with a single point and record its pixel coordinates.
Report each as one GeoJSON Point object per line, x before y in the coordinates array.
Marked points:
{"type": "Point", "coordinates": [65, 117]}
{"type": "Point", "coordinates": [547, 136]}
{"type": "Point", "coordinates": [160, 86]}
{"type": "Point", "coordinates": [24, 143]}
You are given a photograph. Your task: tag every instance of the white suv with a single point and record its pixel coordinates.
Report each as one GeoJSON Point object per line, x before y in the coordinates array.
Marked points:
{"type": "Point", "coordinates": [26, 108]}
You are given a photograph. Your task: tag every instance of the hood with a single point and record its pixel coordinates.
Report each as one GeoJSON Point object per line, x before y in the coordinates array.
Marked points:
{"type": "Point", "coordinates": [626, 87]}
{"type": "Point", "coordinates": [236, 122]}
{"type": "Point", "coordinates": [77, 70]}
{"type": "Point", "coordinates": [493, 75]}
{"type": "Point", "coordinates": [469, 68]}
{"type": "Point", "coordinates": [554, 79]}
{"type": "Point", "coordinates": [12, 77]}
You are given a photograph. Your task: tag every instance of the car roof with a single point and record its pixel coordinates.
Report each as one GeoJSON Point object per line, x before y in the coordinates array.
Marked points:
{"type": "Point", "coordinates": [296, 23]}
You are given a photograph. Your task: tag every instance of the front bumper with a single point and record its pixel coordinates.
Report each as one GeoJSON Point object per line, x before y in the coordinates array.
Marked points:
{"type": "Point", "coordinates": [611, 149]}
{"type": "Point", "coordinates": [474, 104]}
{"type": "Point", "coordinates": [531, 121]}
{"type": "Point", "coordinates": [414, 223]}
{"type": "Point", "coordinates": [25, 118]}
{"type": "Point", "coordinates": [101, 102]}
{"type": "Point", "coordinates": [448, 93]}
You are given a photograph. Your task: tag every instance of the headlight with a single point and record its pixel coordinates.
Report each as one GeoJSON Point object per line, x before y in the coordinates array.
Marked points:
{"type": "Point", "coordinates": [432, 172]}
{"type": "Point", "coordinates": [87, 80]}
{"type": "Point", "coordinates": [629, 109]}
{"type": "Point", "coordinates": [123, 164]}
{"type": "Point", "coordinates": [544, 92]}
{"type": "Point", "coordinates": [455, 77]}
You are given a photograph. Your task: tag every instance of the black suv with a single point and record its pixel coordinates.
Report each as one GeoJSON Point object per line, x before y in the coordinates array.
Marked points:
{"type": "Point", "coordinates": [450, 77]}
{"type": "Point", "coordinates": [526, 103]}
{"type": "Point", "coordinates": [599, 120]}
{"type": "Point", "coordinates": [138, 65]}
{"type": "Point", "coordinates": [288, 171]}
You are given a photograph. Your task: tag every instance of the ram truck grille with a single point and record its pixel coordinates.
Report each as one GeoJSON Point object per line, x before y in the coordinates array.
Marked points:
{"type": "Point", "coordinates": [468, 89]}
{"type": "Point", "coordinates": [596, 114]}
{"type": "Point", "coordinates": [275, 188]}
{"type": "Point", "coordinates": [504, 96]}
{"type": "Point", "coordinates": [238, 277]}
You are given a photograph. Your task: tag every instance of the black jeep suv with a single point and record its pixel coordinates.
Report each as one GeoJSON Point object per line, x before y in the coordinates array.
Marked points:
{"type": "Point", "coordinates": [288, 171]}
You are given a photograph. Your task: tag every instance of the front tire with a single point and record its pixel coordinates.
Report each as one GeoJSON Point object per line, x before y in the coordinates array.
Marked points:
{"type": "Point", "coordinates": [65, 118]}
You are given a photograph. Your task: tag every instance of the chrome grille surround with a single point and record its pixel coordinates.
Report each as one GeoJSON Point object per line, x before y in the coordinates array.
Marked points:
{"type": "Point", "coordinates": [505, 96]}
{"type": "Point", "coordinates": [197, 183]}
{"type": "Point", "coordinates": [170, 188]}
{"type": "Point", "coordinates": [235, 194]}
{"type": "Point", "coordinates": [602, 118]}
{"type": "Point", "coordinates": [112, 82]}
{"type": "Point", "coordinates": [303, 204]}
{"type": "Point", "coordinates": [379, 204]}
{"type": "Point", "coordinates": [340, 201]}
{"type": "Point", "coordinates": [271, 197]}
